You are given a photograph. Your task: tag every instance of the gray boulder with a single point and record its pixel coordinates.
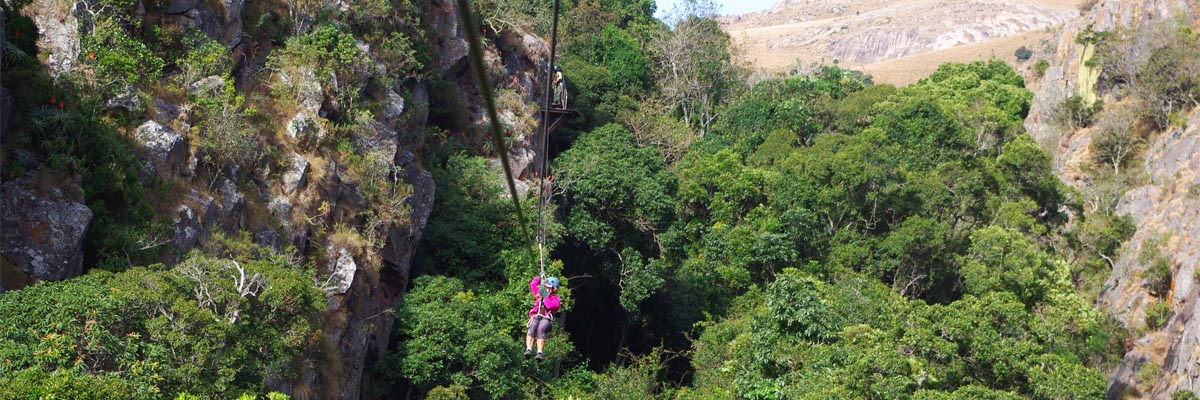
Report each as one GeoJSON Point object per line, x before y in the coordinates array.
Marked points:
{"type": "Point", "coordinates": [305, 129]}
{"type": "Point", "coordinates": [294, 177]}
{"type": "Point", "coordinates": [267, 238]}
{"type": "Point", "coordinates": [164, 111]}
{"type": "Point", "coordinates": [42, 225]}
{"type": "Point", "coordinates": [211, 84]}
{"type": "Point", "coordinates": [451, 43]}
{"type": "Point", "coordinates": [192, 219]}
{"type": "Point", "coordinates": [221, 20]}
{"type": "Point", "coordinates": [341, 273]}
{"type": "Point", "coordinates": [232, 210]}
{"type": "Point", "coordinates": [162, 146]}
{"type": "Point", "coordinates": [180, 6]}
{"type": "Point", "coordinates": [187, 228]}
{"type": "Point", "coordinates": [127, 101]}
{"type": "Point", "coordinates": [393, 107]}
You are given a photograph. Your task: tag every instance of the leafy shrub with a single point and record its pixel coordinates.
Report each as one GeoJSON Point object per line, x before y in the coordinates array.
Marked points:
{"type": "Point", "coordinates": [329, 56]}
{"type": "Point", "coordinates": [1040, 67]}
{"type": "Point", "coordinates": [1075, 113]}
{"type": "Point", "coordinates": [1148, 373]}
{"type": "Point", "coordinates": [119, 60]}
{"type": "Point", "coordinates": [793, 302]}
{"type": "Point", "coordinates": [1184, 395]}
{"type": "Point", "coordinates": [207, 57]}
{"type": "Point", "coordinates": [1023, 54]}
{"type": "Point", "coordinates": [1157, 314]}
{"type": "Point", "coordinates": [1169, 82]}
{"type": "Point", "coordinates": [379, 181]}
{"type": "Point", "coordinates": [465, 350]}
{"type": "Point", "coordinates": [638, 379]}
{"type": "Point", "coordinates": [1158, 274]}
{"type": "Point", "coordinates": [1118, 136]}
{"type": "Point", "coordinates": [398, 54]}
{"type": "Point", "coordinates": [226, 137]}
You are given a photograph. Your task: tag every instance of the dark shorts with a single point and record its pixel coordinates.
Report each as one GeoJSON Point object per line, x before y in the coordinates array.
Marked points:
{"type": "Point", "coordinates": [539, 326]}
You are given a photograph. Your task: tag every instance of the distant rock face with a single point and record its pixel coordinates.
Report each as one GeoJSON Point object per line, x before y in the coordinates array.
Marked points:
{"type": "Point", "coordinates": [304, 128]}
{"type": "Point", "coordinates": [232, 207]}
{"type": "Point", "coordinates": [192, 219]}
{"type": "Point", "coordinates": [128, 102]}
{"type": "Point", "coordinates": [867, 31]}
{"type": "Point", "coordinates": [42, 225]}
{"type": "Point", "coordinates": [343, 273]}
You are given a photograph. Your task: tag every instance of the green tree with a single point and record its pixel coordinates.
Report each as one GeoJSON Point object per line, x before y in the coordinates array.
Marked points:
{"type": "Point", "coordinates": [454, 336]}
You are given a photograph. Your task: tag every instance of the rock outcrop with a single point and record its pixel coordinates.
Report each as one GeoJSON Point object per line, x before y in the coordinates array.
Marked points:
{"type": "Point", "coordinates": [220, 20]}
{"type": "Point", "coordinates": [162, 146]}
{"type": "Point", "coordinates": [59, 34]}
{"type": "Point", "coordinates": [1167, 206]}
{"type": "Point", "coordinates": [42, 224]}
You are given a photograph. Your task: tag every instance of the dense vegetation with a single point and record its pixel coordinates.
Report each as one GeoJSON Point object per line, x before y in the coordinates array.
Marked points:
{"type": "Point", "coordinates": [806, 236]}
{"type": "Point", "coordinates": [803, 236]}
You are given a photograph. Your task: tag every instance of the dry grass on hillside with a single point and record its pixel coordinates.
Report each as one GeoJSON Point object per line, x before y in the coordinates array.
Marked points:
{"type": "Point", "coordinates": [768, 41]}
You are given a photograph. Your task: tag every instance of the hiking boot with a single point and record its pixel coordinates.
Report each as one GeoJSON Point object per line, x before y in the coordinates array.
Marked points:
{"type": "Point", "coordinates": [539, 356]}
{"type": "Point", "coordinates": [529, 352]}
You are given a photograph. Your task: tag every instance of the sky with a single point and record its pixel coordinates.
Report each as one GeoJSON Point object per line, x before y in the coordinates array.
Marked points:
{"type": "Point", "coordinates": [728, 7]}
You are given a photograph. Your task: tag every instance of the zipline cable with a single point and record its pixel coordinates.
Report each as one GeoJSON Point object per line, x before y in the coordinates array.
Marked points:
{"type": "Point", "coordinates": [485, 90]}
{"type": "Point", "coordinates": [544, 192]}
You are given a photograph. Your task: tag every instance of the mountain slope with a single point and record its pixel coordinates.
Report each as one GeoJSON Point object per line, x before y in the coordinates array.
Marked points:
{"type": "Point", "coordinates": [866, 34]}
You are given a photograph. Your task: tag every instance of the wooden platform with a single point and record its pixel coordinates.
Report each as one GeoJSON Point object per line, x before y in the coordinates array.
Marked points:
{"type": "Point", "coordinates": [558, 116]}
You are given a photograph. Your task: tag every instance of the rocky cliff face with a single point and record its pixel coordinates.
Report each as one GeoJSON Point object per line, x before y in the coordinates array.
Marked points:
{"type": "Point", "coordinates": [1161, 361]}
{"type": "Point", "coordinates": [293, 202]}
{"type": "Point", "coordinates": [1168, 207]}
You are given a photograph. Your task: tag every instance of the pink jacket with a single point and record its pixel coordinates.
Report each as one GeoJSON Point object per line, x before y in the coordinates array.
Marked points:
{"type": "Point", "coordinates": [550, 303]}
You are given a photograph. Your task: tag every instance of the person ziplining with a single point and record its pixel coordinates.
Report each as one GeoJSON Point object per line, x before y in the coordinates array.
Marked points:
{"type": "Point", "coordinates": [541, 316]}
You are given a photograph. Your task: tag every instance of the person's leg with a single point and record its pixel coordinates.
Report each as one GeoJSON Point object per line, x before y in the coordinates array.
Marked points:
{"type": "Point", "coordinates": [532, 326]}
{"type": "Point", "coordinates": [543, 331]}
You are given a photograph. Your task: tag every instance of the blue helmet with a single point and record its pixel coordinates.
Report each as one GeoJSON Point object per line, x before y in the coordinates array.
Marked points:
{"type": "Point", "coordinates": [552, 282]}
{"type": "Point", "coordinates": [556, 69]}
